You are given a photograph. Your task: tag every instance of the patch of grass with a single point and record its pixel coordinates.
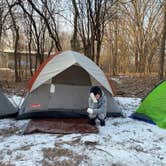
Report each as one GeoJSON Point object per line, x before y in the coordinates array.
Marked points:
{"type": "Point", "coordinates": [61, 156]}
{"type": "Point", "coordinates": [90, 143]}
{"type": "Point", "coordinates": [9, 131]}
{"type": "Point", "coordinates": [6, 164]}
{"type": "Point", "coordinates": [26, 147]}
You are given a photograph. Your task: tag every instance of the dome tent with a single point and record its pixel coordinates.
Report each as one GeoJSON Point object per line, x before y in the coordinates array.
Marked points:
{"type": "Point", "coordinates": [6, 108]}
{"type": "Point", "coordinates": [153, 106]}
{"type": "Point", "coordinates": [61, 85]}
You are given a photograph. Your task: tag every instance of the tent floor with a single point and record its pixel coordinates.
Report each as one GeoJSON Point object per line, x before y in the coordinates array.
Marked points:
{"type": "Point", "coordinates": [60, 126]}
{"type": "Point", "coordinates": [142, 117]}
{"type": "Point", "coordinates": [66, 113]}
{"type": "Point", "coordinates": [13, 115]}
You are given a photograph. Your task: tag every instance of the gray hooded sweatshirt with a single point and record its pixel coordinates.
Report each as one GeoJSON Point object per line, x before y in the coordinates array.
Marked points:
{"type": "Point", "coordinates": [100, 106]}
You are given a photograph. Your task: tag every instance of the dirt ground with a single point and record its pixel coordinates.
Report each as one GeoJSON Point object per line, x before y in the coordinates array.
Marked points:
{"type": "Point", "coordinates": [14, 88]}
{"type": "Point", "coordinates": [126, 86]}
{"type": "Point", "coordinates": [134, 86]}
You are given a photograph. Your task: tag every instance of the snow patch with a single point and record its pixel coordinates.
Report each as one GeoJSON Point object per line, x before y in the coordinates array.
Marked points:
{"type": "Point", "coordinates": [122, 142]}
{"type": "Point", "coordinates": [116, 80]}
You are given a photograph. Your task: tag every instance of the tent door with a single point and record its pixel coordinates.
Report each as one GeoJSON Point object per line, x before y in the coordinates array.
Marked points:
{"type": "Point", "coordinates": [70, 97]}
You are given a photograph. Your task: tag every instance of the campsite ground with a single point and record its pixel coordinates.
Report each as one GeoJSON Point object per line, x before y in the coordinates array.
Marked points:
{"type": "Point", "coordinates": [125, 85]}
{"type": "Point", "coordinates": [122, 142]}
{"type": "Point", "coordinates": [134, 85]}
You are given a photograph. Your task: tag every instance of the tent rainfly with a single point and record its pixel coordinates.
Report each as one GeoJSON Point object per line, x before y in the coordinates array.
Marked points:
{"type": "Point", "coordinates": [153, 106]}
{"type": "Point", "coordinates": [61, 85]}
{"type": "Point", "coordinates": [6, 108]}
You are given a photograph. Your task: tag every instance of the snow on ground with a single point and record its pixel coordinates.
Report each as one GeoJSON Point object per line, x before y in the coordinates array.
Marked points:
{"type": "Point", "coordinates": [128, 105]}
{"type": "Point", "coordinates": [116, 80]}
{"type": "Point", "coordinates": [16, 100]}
{"type": "Point", "coordinates": [122, 142]}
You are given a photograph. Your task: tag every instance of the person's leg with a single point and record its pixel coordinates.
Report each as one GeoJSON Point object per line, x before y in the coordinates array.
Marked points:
{"type": "Point", "coordinates": [102, 117]}
{"type": "Point", "coordinates": [92, 118]}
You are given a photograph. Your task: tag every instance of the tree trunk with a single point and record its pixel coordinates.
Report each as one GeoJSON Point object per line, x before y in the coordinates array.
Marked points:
{"type": "Point", "coordinates": [74, 41]}
{"type": "Point", "coordinates": [29, 51]}
{"type": "Point", "coordinates": [17, 77]}
{"type": "Point", "coordinates": [98, 52]}
{"type": "Point", "coordinates": [136, 60]}
{"type": "Point", "coordinates": [16, 29]}
{"type": "Point", "coordinates": [162, 50]}
{"type": "Point", "coordinates": [116, 49]}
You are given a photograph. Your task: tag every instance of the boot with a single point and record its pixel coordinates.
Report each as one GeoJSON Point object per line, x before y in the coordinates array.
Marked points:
{"type": "Point", "coordinates": [102, 122]}
{"type": "Point", "coordinates": [92, 121]}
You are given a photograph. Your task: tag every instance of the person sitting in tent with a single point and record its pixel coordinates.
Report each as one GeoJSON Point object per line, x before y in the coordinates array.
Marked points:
{"type": "Point", "coordinates": [97, 106]}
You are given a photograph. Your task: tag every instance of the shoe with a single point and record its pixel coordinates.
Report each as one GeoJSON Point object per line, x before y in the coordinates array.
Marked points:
{"type": "Point", "coordinates": [92, 122]}
{"type": "Point", "coordinates": [102, 122]}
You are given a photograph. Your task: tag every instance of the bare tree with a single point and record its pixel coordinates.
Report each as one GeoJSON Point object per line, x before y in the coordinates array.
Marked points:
{"type": "Point", "coordinates": [162, 49]}
{"type": "Point", "coordinates": [133, 37]}
{"type": "Point", "coordinates": [1, 18]}
{"type": "Point", "coordinates": [49, 21]}
{"type": "Point", "coordinates": [93, 17]}
{"type": "Point", "coordinates": [139, 41]}
{"type": "Point", "coordinates": [144, 22]}
{"type": "Point", "coordinates": [29, 22]}
{"type": "Point", "coordinates": [75, 45]}
{"type": "Point", "coordinates": [16, 30]}
{"type": "Point", "coordinates": [4, 12]}
{"type": "Point", "coordinates": [37, 31]}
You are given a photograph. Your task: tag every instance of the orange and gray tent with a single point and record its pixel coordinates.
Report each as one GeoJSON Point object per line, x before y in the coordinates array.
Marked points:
{"type": "Point", "coordinates": [61, 85]}
{"type": "Point", "coordinates": [6, 108]}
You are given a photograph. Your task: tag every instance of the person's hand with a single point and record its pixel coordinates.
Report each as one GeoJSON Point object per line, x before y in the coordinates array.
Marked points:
{"type": "Point", "coordinates": [90, 111]}
{"type": "Point", "coordinates": [93, 97]}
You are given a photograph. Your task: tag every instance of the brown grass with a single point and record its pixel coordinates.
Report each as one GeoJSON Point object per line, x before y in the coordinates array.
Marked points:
{"type": "Point", "coordinates": [52, 155]}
